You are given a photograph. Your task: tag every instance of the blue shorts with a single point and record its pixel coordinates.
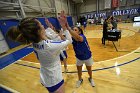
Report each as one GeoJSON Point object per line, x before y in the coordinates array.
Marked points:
{"type": "Point", "coordinates": [55, 87]}
{"type": "Point", "coordinates": [63, 55]}
{"type": "Point", "coordinates": [85, 25]}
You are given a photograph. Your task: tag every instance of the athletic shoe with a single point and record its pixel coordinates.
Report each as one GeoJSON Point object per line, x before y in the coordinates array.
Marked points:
{"type": "Point", "coordinates": [91, 82]}
{"type": "Point", "coordinates": [78, 83]}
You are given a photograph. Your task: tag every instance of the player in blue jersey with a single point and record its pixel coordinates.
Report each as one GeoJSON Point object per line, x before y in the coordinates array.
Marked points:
{"type": "Point", "coordinates": [30, 30]}
{"type": "Point", "coordinates": [82, 53]}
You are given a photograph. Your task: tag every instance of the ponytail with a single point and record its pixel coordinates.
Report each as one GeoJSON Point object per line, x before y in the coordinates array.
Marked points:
{"type": "Point", "coordinates": [15, 35]}
{"type": "Point", "coordinates": [28, 31]}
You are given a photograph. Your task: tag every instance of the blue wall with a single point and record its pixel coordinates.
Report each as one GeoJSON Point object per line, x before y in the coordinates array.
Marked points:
{"type": "Point", "coordinates": [70, 22]}
{"type": "Point", "coordinates": [55, 22]}
{"type": "Point", "coordinates": [4, 26]}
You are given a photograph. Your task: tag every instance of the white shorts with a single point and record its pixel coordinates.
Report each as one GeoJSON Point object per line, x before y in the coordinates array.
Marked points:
{"type": "Point", "coordinates": [88, 62]}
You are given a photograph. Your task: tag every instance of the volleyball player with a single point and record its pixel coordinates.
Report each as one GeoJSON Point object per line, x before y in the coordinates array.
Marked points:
{"type": "Point", "coordinates": [82, 53]}
{"type": "Point", "coordinates": [57, 35]}
{"type": "Point", "coordinates": [29, 31]}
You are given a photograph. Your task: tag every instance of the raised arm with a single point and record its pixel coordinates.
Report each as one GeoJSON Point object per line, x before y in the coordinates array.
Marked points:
{"type": "Point", "coordinates": [76, 36]}
{"type": "Point", "coordinates": [49, 24]}
{"type": "Point", "coordinates": [61, 34]}
{"type": "Point", "coordinates": [63, 21]}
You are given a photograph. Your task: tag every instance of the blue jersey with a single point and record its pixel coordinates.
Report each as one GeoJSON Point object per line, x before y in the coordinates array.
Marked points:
{"type": "Point", "coordinates": [85, 24]}
{"type": "Point", "coordinates": [82, 49]}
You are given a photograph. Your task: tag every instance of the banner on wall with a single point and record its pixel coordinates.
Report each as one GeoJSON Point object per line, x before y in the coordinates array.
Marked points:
{"type": "Point", "coordinates": [3, 44]}
{"type": "Point", "coordinates": [94, 15]}
{"type": "Point", "coordinates": [125, 12]}
{"type": "Point", "coordinates": [115, 3]}
{"type": "Point", "coordinates": [107, 4]}
{"type": "Point", "coordinates": [114, 13]}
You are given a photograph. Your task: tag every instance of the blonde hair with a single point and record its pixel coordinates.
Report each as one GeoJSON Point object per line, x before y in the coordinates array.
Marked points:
{"type": "Point", "coordinates": [26, 32]}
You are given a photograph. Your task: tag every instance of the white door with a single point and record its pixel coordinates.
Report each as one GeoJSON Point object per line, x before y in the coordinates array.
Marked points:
{"type": "Point", "coordinates": [3, 44]}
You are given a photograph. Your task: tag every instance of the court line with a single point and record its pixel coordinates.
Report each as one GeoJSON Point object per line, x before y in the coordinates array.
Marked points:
{"type": "Point", "coordinates": [132, 30]}
{"type": "Point", "coordinates": [92, 70]}
{"type": "Point", "coordinates": [9, 89]}
{"type": "Point", "coordinates": [27, 65]}
{"type": "Point", "coordinates": [120, 56]}
{"type": "Point", "coordinates": [29, 61]}
{"type": "Point", "coordinates": [99, 61]}
{"type": "Point", "coordinates": [103, 60]}
{"type": "Point", "coordinates": [126, 29]}
{"type": "Point", "coordinates": [39, 63]}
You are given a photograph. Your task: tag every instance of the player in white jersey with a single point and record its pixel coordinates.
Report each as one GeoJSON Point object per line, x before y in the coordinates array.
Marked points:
{"type": "Point", "coordinates": [57, 35]}
{"type": "Point", "coordinates": [63, 53]}
{"type": "Point", "coordinates": [30, 31]}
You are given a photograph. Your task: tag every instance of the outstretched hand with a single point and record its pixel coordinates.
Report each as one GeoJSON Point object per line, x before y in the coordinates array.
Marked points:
{"type": "Point", "coordinates": [62, 19]}
{"type": "Point", "coordinates": [47, 21]}
{"type": "Point", "coordinates": [49, 24]}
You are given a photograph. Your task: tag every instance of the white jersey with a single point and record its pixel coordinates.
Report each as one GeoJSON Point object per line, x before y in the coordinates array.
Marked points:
{"type": "Point", "coordinates": [64, 48]}
{"type": "Point", "coordinates": [78, 24]}
{"type": "Point", "coordinates": [48, 52]}
{"type": "Point", "coordinates": [52, 35]}
{"type": "Point", "coordinates": [62, 31]}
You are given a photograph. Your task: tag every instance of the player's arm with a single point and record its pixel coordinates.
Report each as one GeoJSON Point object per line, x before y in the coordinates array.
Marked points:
{"type": "Point", "coordinates": [75, 35]}
{"type": "Point", "coordinates": [49, 24]}
{"type": "Point", "coordinates": [64, 24]}
{"type": "Point", "coordinates": [61, 35]}
{"type": "Point", "coordinates": [54, 47]}
{"type": "Point", "coordinates": [63, 21]}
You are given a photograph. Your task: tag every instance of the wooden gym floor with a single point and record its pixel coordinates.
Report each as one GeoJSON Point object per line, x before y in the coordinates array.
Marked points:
{"type": "Point", "coordinates": [113, 72]}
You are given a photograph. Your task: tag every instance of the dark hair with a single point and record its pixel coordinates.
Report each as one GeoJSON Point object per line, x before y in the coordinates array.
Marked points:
{"type": "Point", "coordinates": [26, 32]}
{"type": "Point", "coordinates": [81, 31]}
{"type": "Point", "coordinates": [105, 20]}
{"type": "Point", "coordinates": [108, 17]}
{"type": "Point", "coordinates": [58, 31]}
{"type": "Point", "coordinates": [112, 18]}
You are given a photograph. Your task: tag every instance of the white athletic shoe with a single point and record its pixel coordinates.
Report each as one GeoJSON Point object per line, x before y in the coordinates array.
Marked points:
{"type": "Point", "coordinates": [91, 82]}
{"type": "Point", "coordinates": [78, 83]}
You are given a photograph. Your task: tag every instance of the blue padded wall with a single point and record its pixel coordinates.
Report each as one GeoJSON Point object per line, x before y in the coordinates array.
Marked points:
{"type": "Point", "coordinates": [42, 20]}
{"type": "Point", "coordinates": [70, 22]}
{"type": "Point", "coordinates": [4, 26]}
{"type": "Point", "coordinates": [55, 22]}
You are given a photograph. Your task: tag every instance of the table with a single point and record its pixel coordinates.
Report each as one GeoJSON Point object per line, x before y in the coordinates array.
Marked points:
{"type": "Point", "coordinates": [114, 35]}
